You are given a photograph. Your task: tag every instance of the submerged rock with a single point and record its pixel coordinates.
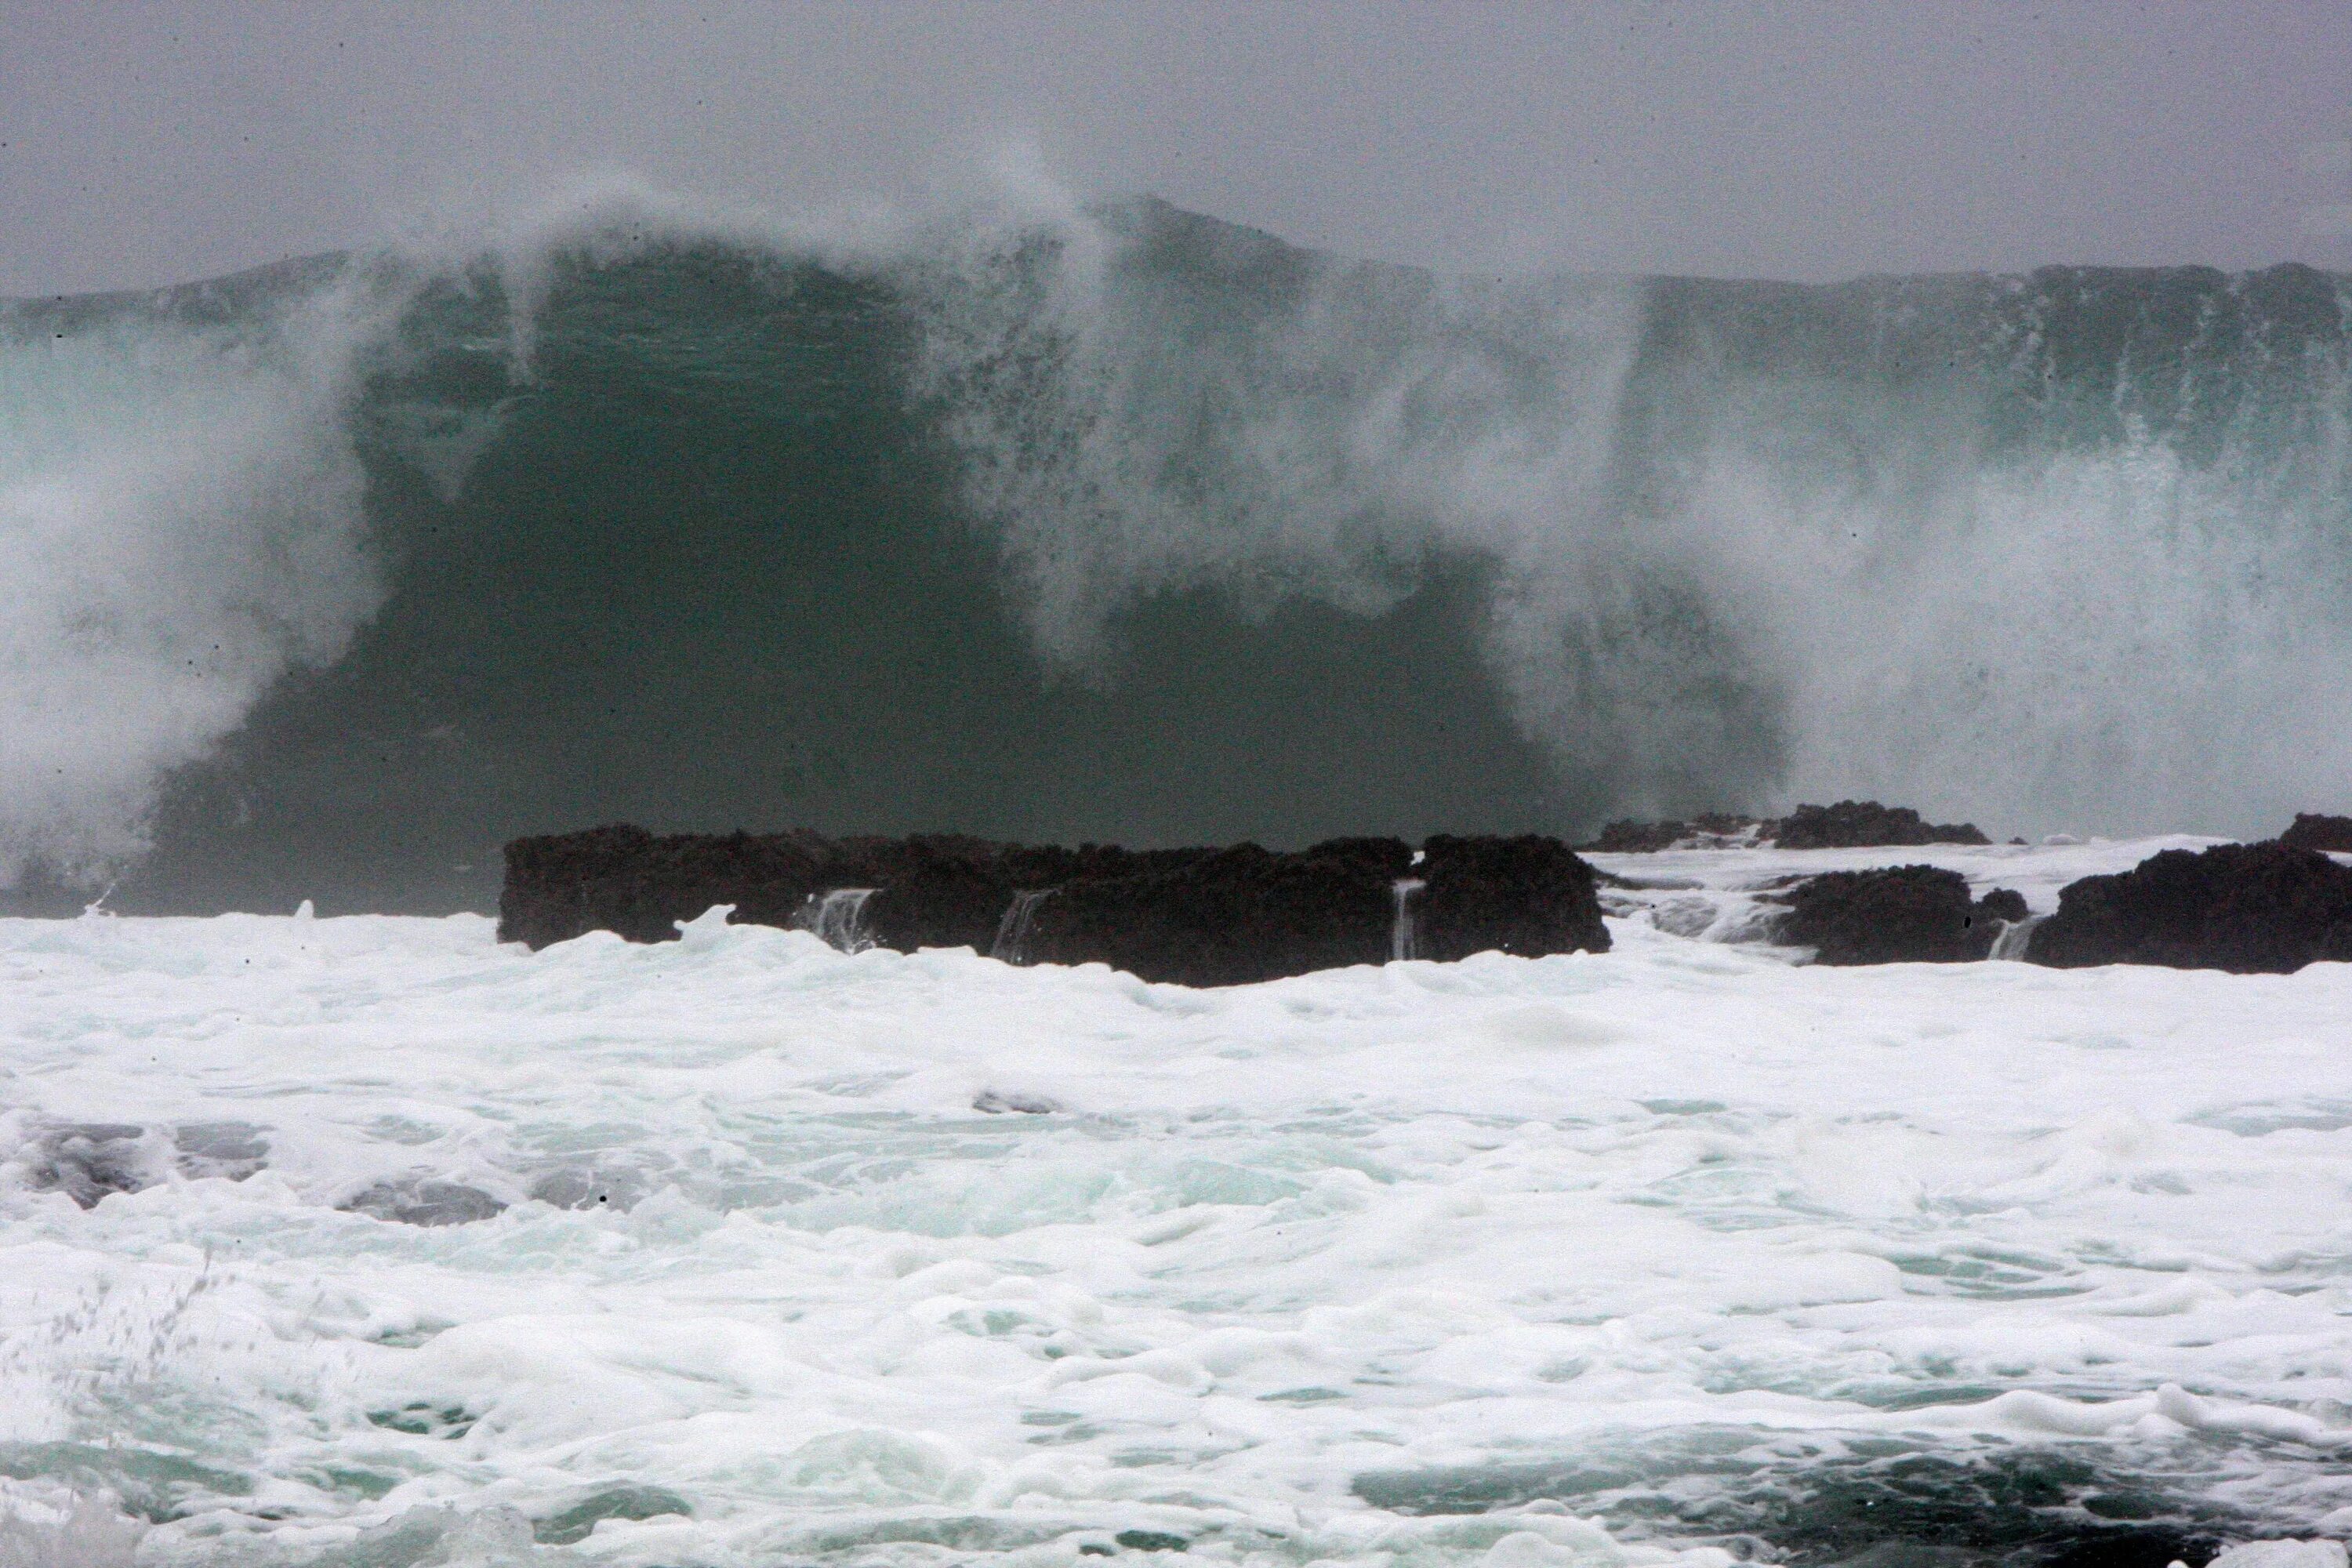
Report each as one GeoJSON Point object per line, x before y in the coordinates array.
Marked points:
{"type": "Point", "coordinates": [230, 1150]}
{"type": "Point", "coordinates": [2312, 831]}
{"type": "Point", "coordinates": [590, 1187]}
{"type": "Point", "coordinates": [2250, 908]}
{"type": "Point", "coordinates": [1866, 824]}
{"type": "Point", "coordinates": [1901, 914]}
{"type": "Point", "coordinates": [92, 1160]}
{"type": "Point", "coordinates": [1198, 916]}
{"type": "Point", "coordinates": [1018, 1100]}
{"type": "Point", "coordinates": [424, 1203]}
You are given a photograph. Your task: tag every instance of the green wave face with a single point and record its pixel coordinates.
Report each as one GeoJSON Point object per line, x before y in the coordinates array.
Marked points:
{"type": "Point", "coordinates": [1134, 526]}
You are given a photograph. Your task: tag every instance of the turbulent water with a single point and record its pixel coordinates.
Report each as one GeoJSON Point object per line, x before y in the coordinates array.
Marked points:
{"type": "Point", "coordinates": [367, 1243]}
{"type": "Point", "coordinates": [1120, 523]}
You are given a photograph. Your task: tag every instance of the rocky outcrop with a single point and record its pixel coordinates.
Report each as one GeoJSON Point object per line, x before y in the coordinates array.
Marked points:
{"type": "Point", "coordinates": [630, 882]}
{"type": "Point", "coordinates": [1230, 917]}
{"type": "Point", "coordinates": [1526, 896]}
{"type": "Point", "coordinates": [928, 890]}
{"type": "Point", "coordinates": [2250, 908]}
{"type": "Point", "coordinates": [1848, 824]}
{"type": "Point", "coordinates": [1902, 914]}
{"type": "Point", "coordinates": [1708, 830]}
{"type": "Point", "coordinates": [1198, 916]}
{"type": "Point", "coordinates": [2312, 831]}
{"type": "Point", "coordinates": [1866, 824]}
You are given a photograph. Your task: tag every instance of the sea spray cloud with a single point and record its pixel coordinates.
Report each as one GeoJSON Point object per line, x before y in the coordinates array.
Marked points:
{"type": "Point", "coordinates": [2042, 551]}
{"type": "Point", "coordinates": [180, 524]}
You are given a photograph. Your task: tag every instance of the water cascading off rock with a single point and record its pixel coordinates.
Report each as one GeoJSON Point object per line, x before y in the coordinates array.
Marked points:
{"type": "Point", "coordinates": [1221, 916]}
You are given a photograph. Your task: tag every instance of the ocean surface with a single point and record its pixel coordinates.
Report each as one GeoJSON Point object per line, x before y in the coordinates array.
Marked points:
{"type": "Point", "coordinates": [368, 1242]}
{"type": "Point", "coordinates": [1052, 522]}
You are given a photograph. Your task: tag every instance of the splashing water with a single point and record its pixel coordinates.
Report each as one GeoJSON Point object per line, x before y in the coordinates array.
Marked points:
{"type": "Point", "coordinates": [837, 919]}
{"type": "Point", "coordinates": [1402, 942]}
{"type": "Point", "coordinates": [1011, 942]}
{"type": "Point", "coordinates": [1029, 521]}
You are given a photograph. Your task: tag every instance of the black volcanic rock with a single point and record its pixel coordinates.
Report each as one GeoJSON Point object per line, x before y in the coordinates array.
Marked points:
{"type": "Point", "coordinates": [1866, 824]}
{"type": "Point", "coordinates": [930, 889]}
{"type": "Point", "coordinates": [1232, 917]}
{"type": "Point", "coordinates": [1848, 824]}
{"type": "Point", "coordinates": [1631, 837]}
{"type": "Point", "coordinates": [2250, 909]}
{"type": "Point", "coordinates": [1901, 914]}
{"type": "Point", "coordinates": [2312, 831]}
{"type": "Point", "coordinates": [1200, 917]}
{"type": "Point", "coordinates": [2004, 904]}
{"type": "Point", "coordinates": [1526, 896]}
{"type": "Point", "coordinates": [626, 880]}
{"type": "Point", "coordinates": [941, 890]}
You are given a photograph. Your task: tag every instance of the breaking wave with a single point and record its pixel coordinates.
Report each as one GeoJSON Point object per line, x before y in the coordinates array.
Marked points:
{"type": "Point", "coordinates": [1055, 522]}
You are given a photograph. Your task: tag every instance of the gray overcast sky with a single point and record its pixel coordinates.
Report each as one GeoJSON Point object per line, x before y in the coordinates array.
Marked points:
{"type": "Point", "coordinates": [158, 142]}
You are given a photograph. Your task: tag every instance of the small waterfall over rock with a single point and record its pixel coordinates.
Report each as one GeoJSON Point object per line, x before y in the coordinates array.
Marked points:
{"type": "Point", "coordinates": [1403, 942]}
{"type": "Point", "coordinates": [1011, 943]}
{"type": "Point", "coordinates": [838, 918]}
{"type": "Point", "coordinates": [2015, 937]}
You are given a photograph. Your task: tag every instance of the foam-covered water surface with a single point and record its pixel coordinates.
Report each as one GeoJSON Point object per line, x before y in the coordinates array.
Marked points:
{"type": "Point", "coordinates": [367, 1240]}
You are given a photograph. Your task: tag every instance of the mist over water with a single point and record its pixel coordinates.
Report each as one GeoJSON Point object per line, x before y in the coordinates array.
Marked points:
{"type": "Point", "coordinates": [179, 523]}
{"type": "Point", "coordinates": [1121, 523]}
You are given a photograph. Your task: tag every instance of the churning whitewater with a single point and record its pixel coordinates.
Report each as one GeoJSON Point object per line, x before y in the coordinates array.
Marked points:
{"type": "Point", "coordinates": [369, 1241]}
{"type": "Point", "coordinates": [1052, 524]}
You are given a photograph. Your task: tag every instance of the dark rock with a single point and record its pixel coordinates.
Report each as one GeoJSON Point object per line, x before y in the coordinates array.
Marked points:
{"type": "Point", "coordinates": [231, 1150]}
{"type": "Point", "coordinates": [930, 891]}
{"type": "Point", "coordinates": [1708, 830]}
{"type": "Point", "coordinates": [1200, 917]}
{"type": "Point", "coordinates": [1150, 1541]}
{"type": "Point", "coordinates": [1245, 914]}
{"type": "Point", "coordinates": [2250, 908]}
{"type": "Point", "coordinates": [592, 1187]}
{"type": "Point", "coordinates": [2004, 904]}
{"type": "Point", "coordinates": [936, 891]}
{"type": "Point", "coordinates": [1901, 914]}
{"type": "Point", "coordinates": [626, 880]}
{"type": "Point", "coordinates": [1632, 837]}
{"type": "Point", "coordinates": [92, 1160]}
{"type": "Point", "coordinates": [1848, 824]}
{"type": "Point", "coordinates": [1528, 896]}
{"type": "Point", "coordinates": [1233, 917]}
{"type": "Point", "coordinates": [995, 1104]}
{"type": "Point", "coordinates": [1866, 824]}
{"type": "Point", "coordinates": [2312, 831]}
{"type": "Point", "coordinates": [2134, 1547]}
{"type": "Point", "coordinates": [424, 1203]}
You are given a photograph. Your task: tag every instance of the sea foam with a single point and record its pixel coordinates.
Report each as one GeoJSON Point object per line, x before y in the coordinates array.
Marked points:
{"type": "Point", "coordinates": [790, 1254]}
